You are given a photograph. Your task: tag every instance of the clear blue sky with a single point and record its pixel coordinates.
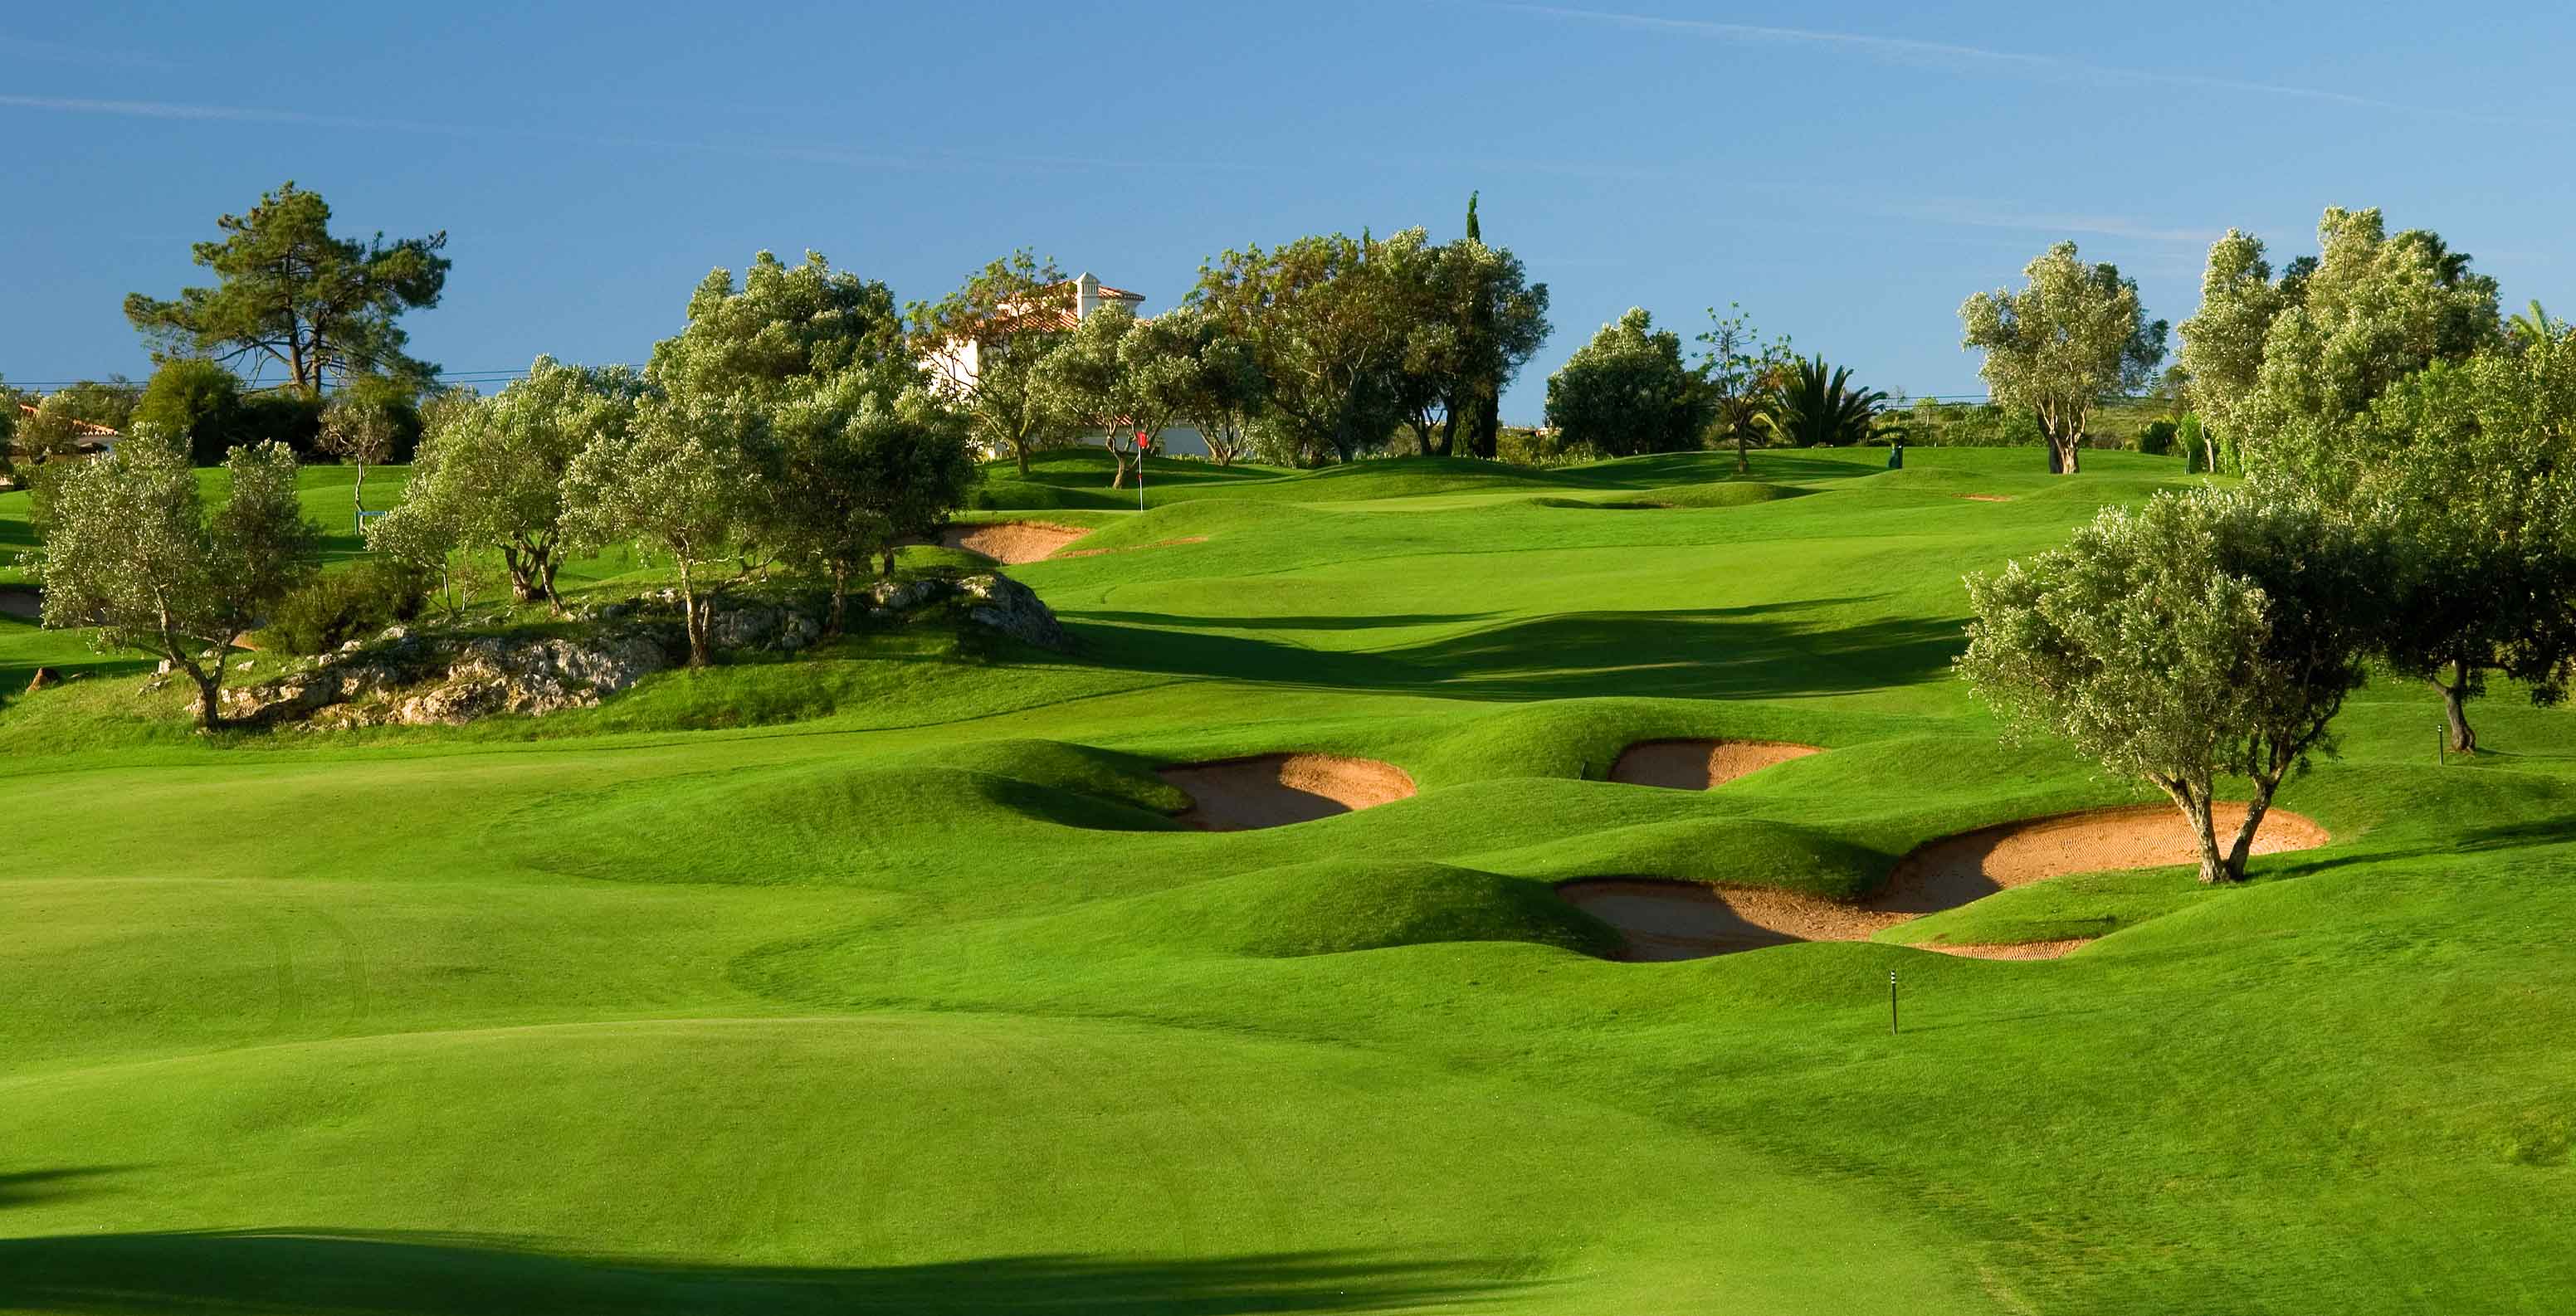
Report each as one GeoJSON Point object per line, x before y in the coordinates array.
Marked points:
{"type": "Point", "coordinates": [1847, 172]}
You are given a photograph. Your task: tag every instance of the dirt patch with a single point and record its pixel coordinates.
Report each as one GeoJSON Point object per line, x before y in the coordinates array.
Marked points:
{"type": "Point", "coordinates": [1133, 548]}
{"type": "Point", "coordinates": [1668, 920]}
{"type": "Point", "coordinates": [1275, 790]}
{"type": "Point", "coordinates": [1987, 498]}
{"type": "Point", "coordinates": [1011, 542]}
{"type": "Point", "coordinates": [1698, 765]}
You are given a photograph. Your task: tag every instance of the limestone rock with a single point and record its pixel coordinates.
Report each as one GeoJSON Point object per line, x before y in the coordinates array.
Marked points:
{"type": "Point", "coordinates": [1014, 609]}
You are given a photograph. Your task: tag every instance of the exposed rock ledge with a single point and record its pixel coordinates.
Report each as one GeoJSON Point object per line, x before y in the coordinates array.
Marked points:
{"type": "Point", "coordinates": [414, 677]}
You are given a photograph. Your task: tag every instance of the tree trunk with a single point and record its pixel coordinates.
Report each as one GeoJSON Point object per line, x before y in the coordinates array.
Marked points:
{"type": "Point", "coordinates": [2254, 811]}
{"type": "Point", "coordinates": [693, 617]}
{"type": "Point", "coordinates": [1743, 466]}
{"type": "Point", "coordinates": [523, 582]}
{"type": "Point", "coordinates": [210, 695]}
{"type": "Point", "coordinates": [358, 494]}
{"type": "Point", "coordinates": [888, 573]}
{"type": "Point", "coordinates": [546, 580]}
{"type": "Point", "coordinates": [1020, 450]}
{"type": "Point", "coordinates": [2193, 799]}
{"type": "Point", "coordinates": [840, 598]}
{"type": "Point", "coordinates": [2455, 712]}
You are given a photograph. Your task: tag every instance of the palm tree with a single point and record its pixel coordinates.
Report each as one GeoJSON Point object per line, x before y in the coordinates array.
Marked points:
{"type": "Point", "coordinates": [2533, 326]}
{"type": "Point", "coordinates": [1812, 408]}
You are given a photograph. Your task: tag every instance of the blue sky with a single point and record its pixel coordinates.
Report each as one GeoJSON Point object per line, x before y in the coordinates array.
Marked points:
{"type": "Point", "coordinates": [1847, 172]}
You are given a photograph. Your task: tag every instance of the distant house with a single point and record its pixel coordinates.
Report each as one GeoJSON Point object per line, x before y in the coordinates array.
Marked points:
{"type": "Point", "coordinates": [88, 439]}
{"type": "Point", "coordinates": [1066, 304]}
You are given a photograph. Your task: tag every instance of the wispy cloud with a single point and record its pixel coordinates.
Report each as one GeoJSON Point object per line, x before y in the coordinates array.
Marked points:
{"type": "Point", "coordinates": [1911, 50]}
{"type": "Point", "coordinates": [54, 52]}
{"type": "Point", "coordinates": [849, 156]}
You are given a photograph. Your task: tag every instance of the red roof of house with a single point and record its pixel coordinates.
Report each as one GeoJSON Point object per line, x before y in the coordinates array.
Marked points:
{"type": "Point", "coordinates": [79, 426]}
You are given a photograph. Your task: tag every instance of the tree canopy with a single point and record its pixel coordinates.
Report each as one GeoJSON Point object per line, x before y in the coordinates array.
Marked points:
{"type": "Point", "coordinates": [290, 294]}
{"type": "Point", "coordinates": [2073, 334]}
{"type": "Point", "coordinates": [1627, 392]}
{"type": "Point", "coordinates": [130, 548]}
{"type": "Point", "coordinates": [983, 343]}
{"type": "Point", "coordinates": [2208, 634]}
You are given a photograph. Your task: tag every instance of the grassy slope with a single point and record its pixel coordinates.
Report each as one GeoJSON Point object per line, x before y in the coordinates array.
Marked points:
{"type": "Point", "coordinates": [909, 996]}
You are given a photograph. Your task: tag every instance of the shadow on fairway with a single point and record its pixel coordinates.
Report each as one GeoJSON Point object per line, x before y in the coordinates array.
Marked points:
{"type": "Point", "coordinates": [1704, 653]}
{"type": "Point", "coordinates": [309, 1272]}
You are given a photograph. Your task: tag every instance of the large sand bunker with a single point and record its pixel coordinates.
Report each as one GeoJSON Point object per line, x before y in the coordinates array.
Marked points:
{"type": "Point", "coordinates": [1011, 542]}
{"type": "Point", "coordinates": [1667, 920]}
{"type": "Point", "coordinates": [1275, 790]}
{"type": "Point", "coordinates": [1698, 765]}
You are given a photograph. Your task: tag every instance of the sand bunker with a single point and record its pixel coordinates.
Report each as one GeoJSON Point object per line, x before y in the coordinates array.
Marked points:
{"type": "Point", "coordinates": [1275, 790]}
{"type": "Point", "coordinates": [1011, 542]}
{"type": "Point", "coordinates": [1987, 498]}
{"type": "Point", "coordinates": [1668, 920]}
{"type": "Point", "coordinates": [1698, 765]}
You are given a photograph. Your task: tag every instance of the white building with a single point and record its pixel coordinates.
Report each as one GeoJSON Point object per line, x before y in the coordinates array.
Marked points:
{"type": "Point", "coordinates": [957, 364]}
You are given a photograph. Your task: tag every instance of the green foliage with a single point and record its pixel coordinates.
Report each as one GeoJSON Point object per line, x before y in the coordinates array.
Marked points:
{"type": "Point", "coordinates": [200, 403]}
{"type": "Point", "coordinates": [1743, 375]}
{"type": "Point", "coordinates": [857, 472]}
{"type": "Point", "coordinates": [490, 473]}
{"type": "Point", "coordinates": [2280, 364]}
{"type": "Point", "coordinates": [984, 343]}
{"type": "Point", "coordinates": [1471, 319]}
{"type": "Point", "coordinates": [1627, 392]}
{"type": "Point", "coordinates": [1810, 408]}
{"type": "Point", "coordinates": [335, 607]}
{"type": "Point", "coordinates": [2209, 633]}
{"type": "Point", "coordinates": [289, 294]}
{"type": "Point", "coordinates": [2461, 467]}
{"type": "Point", "coordinates": [2158, 437]}
{"type": "Point", "coordinates": [780, 329]}
{"type": "Point", "coordinates": [2073, 335]}
{"type": "Point", "coordinates": [1327, 323]}
{"type": "Point", "coordinates": [131, 550]}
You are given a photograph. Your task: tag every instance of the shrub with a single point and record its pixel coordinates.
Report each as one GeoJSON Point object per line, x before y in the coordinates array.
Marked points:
{"type": "Point", "coordinates": [1521, 446]}
{"type": "Point", "coordinates": [2157, 438]}
{"type": "Point", "coordinates": [337, 607]}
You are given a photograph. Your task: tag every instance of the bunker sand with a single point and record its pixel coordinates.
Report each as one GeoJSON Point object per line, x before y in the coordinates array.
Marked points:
{"type": "Point", "coordinates": [1274, 790]}
{"type": "Point", "coordinates": [1698, 765]}
{"type": "Point", "coordinates": [1661, 919]}
{"type": "Point", "coordinates": [1011, 542]}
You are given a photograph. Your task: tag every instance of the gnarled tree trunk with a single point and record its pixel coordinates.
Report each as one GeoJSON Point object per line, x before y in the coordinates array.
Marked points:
{"type": "Point", "coordinates": [2455, 711]}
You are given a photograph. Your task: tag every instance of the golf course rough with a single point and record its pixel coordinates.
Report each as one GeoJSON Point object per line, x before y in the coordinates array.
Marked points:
{"type": "Point", "coordinates": [887, 977]}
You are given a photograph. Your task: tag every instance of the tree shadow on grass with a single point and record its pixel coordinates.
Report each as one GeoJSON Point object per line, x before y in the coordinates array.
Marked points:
{"type": "Point", "coordinates": [1702, 653]}
{"type": "Point", "coordinates": [315, 1272]}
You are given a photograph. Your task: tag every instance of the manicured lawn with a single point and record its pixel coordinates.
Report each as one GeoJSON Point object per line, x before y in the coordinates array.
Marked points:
{"type": "Point", "coordinates": [883, 982]}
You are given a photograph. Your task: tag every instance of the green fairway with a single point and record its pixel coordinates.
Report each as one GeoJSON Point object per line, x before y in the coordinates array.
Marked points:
{"type": "Point", "coordinates": [884, 980]}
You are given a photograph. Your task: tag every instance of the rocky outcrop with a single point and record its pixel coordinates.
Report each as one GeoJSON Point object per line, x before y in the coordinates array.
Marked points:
{"type": "Point", "coordinates": [1007, 606]}
{"type": "Point", "coordinates": [412, 678]}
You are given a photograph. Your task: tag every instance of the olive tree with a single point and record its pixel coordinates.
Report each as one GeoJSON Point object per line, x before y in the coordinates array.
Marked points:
{"type": "Point", "coordinates": [1471, 319]}
{"type": "Point", "coordinates": [1328, 327]}
{"type": "Point", "coordinates": [131, 549]}
{"type": "Point", "coordinates": [2464, 467]}
{"type": "Point", "coordinates": [858, 473]}
{"type": "Point", "coordinates": [2210, 633]}
{"type": "Point", "coordinates": [2073, 335]}
{"type": "Point", "coordinates": [983, 344]}
{"type": "Point", "coordinates": [1223, 390]}
{"type": "Point", "coordinates": [491, 470]}
{"type": "Point", "coordinates": [1627, 392]}
{"type": "Point", "coordinates": [690, 476]}
{"type": "Point", "coordinates": [2338, 330]}
{"type": "Point", "coordinates": [1125, 377]}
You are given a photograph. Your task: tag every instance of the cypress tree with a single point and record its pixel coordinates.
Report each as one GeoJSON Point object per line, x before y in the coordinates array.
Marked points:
{"type": "Point", "coordinates": [1484, 429]}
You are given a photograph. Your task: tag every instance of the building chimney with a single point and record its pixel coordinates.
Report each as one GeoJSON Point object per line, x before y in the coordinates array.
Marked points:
{"type": "Point", "coordinates": [1086, 296]}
